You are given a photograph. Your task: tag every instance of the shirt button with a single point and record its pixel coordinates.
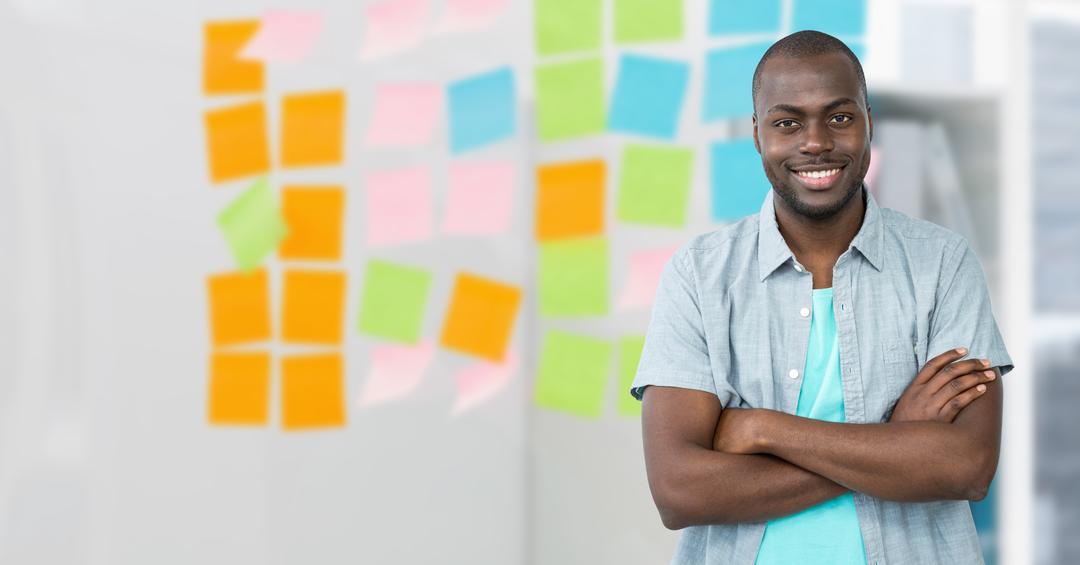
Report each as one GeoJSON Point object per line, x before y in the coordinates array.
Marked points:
{"type": "Point", "coordinates": [804, 312]}
{"type": "Point", "coordinates": [799, 267]}
{"type": "Point", "coordinates": [793, 374]}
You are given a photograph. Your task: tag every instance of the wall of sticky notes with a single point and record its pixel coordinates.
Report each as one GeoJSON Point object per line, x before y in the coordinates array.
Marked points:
{"type": "Point", "coordinates": [362, 282]}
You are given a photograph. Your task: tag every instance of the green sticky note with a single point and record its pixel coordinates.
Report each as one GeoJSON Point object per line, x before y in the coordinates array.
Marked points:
{"type": "Point", "coordinates": [654, 185]}
{"type": "Point", "coordinates": [570, 99]}
{"type": "Point", "coordinates": [639, 21]}
{"type": "Point", "coordinates": [565, 26]}
{"type": "Point", "coordinates": [574, 277]}
{"type": "Point", "coordinates": [629, 354]}
{"type": "Point", "coordinates": [253, 225]}
{"type": "Point", "coordinates": [573, 372]}
{"type": "Point", "coordinates": [393, 301]}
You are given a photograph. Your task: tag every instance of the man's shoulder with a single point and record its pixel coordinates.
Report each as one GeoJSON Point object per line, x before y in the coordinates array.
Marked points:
{"type": "Point", "coordinates": [905, 231]}
{"type": "Point", "coordinates": [739, 234]}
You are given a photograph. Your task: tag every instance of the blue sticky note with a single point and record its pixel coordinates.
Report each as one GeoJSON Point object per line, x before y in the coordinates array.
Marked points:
{"type": "Point", "coordinates": [834, 17]}
{"type": "Point", "coordinates": [729, 75]}
{"type": "Point", "coordinates": [481, 109]}
{"type": "Point", "coordinates": [734, 17]}
{"type": "Point", "coordinates": [737, 179]}
{"type": "Point", "coordinates": [648, 96]}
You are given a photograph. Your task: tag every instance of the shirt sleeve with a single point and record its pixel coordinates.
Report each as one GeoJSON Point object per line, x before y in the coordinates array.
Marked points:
{"type": "Point", "coordinates": [676, 351]}
{"type": "Point", "coordinates": [962, 315]}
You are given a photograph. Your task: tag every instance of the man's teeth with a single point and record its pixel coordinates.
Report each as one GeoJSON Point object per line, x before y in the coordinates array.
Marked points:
{"type": "Point", "coordinates": [818, 174]}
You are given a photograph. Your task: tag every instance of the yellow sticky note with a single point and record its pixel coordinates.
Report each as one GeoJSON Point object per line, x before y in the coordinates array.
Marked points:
{"type": "Point", "coordinates": [313, 310]}
{"type": "Point", "coordinates": [239, 307]}
{"type": "Point", "coordinates": [481, 317]}
{"type": "Point", "coordinates": [239, 388]}
{"type": "Point", "coordinates": [236, 142]}
{"type": "Point", "coordinates": [312, 392]}
{"type": "Point", "coordinates": [570, 200]}
{"type": "Point", "coordinates": [313, 215]}
{"type": "Point", "coordinates": [313, 128]}
{"type": "Point", "coordinates": [224, 72]}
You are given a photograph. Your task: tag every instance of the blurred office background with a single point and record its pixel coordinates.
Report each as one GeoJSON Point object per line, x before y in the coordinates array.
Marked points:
{"type": "Point", "coordinates": [244, 247]}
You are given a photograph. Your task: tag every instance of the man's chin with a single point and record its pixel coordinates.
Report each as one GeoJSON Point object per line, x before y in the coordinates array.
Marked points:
{"type": "Point", "coordinates": [808, 208]}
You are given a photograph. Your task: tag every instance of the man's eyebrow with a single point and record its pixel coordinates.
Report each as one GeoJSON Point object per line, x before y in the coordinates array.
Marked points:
{"type": "Point", "coordinates": [788, 108]}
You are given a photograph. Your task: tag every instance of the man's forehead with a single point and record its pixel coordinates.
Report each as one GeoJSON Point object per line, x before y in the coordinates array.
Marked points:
{"type": "Point", "coordinates": [811, 81]}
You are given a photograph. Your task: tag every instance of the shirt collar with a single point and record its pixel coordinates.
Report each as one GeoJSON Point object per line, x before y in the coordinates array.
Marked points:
{"type": "Point", "coordinates": [773, 251]}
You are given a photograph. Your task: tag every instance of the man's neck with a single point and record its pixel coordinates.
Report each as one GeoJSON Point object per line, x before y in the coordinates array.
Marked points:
{"type": "Point", "coordinates": [817, 244]}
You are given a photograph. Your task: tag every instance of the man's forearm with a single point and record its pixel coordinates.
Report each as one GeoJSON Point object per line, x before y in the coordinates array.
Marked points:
{"type": "Point", "coordinates": [902, 461]}
{"type": "Point", "coordinates": [715, 488]}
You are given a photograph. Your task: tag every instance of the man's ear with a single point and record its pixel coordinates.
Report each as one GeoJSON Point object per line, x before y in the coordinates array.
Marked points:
{"type": "Point", "coordinates": [870, 120]}
{"type": "Point", "coordinates": [757, 144]}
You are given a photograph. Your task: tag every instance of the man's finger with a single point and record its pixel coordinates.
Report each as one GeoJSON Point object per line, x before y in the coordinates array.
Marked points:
{"type": "Point", "coordinates": [938, 363]}
{"type": "Point", "coordinates": [954, 371]}
{"type": "Point", "coordinates": [960, 401]}
{"type": "Point", "coordinates": [959, 385]}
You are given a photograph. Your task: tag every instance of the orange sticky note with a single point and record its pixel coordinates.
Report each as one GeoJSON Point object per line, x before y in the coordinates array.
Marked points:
{"type": "Point", "coordinates": [481, 316]}
{"type": "Point", "coordinates": [313, 215]}
{"type": "Point", "coordinates": [312, 392]}
{"type": "Point", "coordinates": [313, 128]}
{"type": "Point", "coordinates": [570, 200]}
{"type": "Point", "coordinates": [239, 388]}
{"type": "Point", "coordinates": [314, 305]}
{"type": "Point", "coordinates": [236, 142]}
{"type": "Point", "coordinates": [224, 72]}
{"type": "Point", "coordinates": [239, 307]}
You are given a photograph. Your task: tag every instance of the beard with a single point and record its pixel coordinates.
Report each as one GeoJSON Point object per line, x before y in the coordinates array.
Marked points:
{"type": "Point", "coordinates": [791, 198]}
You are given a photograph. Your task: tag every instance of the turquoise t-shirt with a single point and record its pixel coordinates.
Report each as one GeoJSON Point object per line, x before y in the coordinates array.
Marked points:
{"type": "Point", "coordinates": [829, 532]}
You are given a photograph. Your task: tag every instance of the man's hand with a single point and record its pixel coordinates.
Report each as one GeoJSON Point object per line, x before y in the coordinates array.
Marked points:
{"type": "Point", "coordinates": [943, 388]}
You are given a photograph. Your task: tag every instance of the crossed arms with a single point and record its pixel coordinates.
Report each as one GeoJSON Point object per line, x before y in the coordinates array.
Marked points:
{"type": "Point", "coordinates": [708, 465]}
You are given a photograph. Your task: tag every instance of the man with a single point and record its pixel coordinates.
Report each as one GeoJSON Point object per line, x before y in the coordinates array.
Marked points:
{"type": "Point", "coordinates": [821, 381]}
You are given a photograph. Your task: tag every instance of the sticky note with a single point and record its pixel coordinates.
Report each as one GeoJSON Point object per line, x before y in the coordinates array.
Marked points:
{"type": "Point", "coordinates": [239, 307]}
{"type": "Point", "coordinates": [312, 392]}
{"type": "Point", "coordinates": [393, 301]}
{"type": "Point", "coordinates": [253, 225]}
{"type": "Point", "coordinates": [482, 109]}
{"type": "Point", "coordinates": [629, 355]}
{"type": "Point", "coordinates": [314, 216]}
{"type": "Point", "coordinates": [236, 141]}
{"type": "Point", "coordinates": [393, 26]}
{"type": "Point", "coordinates": [573, 373]}
{"type": "Point", "coordinates": [239, 392]}
{"type": "Point", "coordinates": [396, 372]}
{"type": "Point", "coordinates": [648, 96]}
{"type": "Point", "coordinates": [729, 76]}
{"type": "Point", "coordinates": [645, 268]}
{"type": "Point", "coordinates": [739, 17]}
{"type": "Point", "coordinates": [481, 316]}
{"type": "Point", "coordinates": [479, 198]}
{"type": "Point", "coordinates": [224, 72]}
{"type": "Point", "coordinates": [284, 36]}
{"type": "Point", "coordinates": [570, 199]}
{"type": "Point", "coordinates": [313, 306]}
{"type": "Point", "coordinates": [479, 382]}
{"type": "Point", "coordinates": [565, 26]}
{"type": "Point", "coordinates": [737, 180]}
{"type": "Point", "coordinates": [834, 17]}
{"type": "Point", "coordinates": [570, 99]}
{"type": "Point", "coordinates": [639, 21]}
{"type": "Point", "coordinates": [404, 115]}
{"type": "Point", "coordinates": [313, 128]}
{"type": "Point", "coordinates": [654, 185]}
{"type": "Point", "coordinates": [397, 207]}
{"type": "Point", "coordinates": [574, 277]}
{"type": "Point", "coordinates": [470, 15]}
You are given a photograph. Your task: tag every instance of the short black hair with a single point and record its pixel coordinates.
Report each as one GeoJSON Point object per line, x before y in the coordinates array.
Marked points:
{"type": "Point", "coordinates": [807, 44]}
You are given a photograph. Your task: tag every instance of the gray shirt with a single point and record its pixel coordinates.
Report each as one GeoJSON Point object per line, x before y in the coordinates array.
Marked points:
{"type": "Point", "coordinates": [732, 317]}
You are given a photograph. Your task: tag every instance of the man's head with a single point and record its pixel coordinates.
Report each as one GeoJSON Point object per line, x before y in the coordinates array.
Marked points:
{"type": "Point", "coordinates": [812, 119]}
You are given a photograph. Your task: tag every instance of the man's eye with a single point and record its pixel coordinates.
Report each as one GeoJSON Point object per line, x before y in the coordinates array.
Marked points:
{"type": "Point", "coordinates": [840, 118]}
{"type": "Point", "coordinates": [785, 123]}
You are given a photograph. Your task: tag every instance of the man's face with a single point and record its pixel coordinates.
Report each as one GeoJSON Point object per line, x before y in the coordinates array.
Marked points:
{"type": "Point", "coordinates": [813, 129]}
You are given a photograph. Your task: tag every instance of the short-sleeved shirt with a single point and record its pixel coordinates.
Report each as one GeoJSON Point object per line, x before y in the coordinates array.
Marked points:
{"type": "Point", "coordinates": [729, 319]}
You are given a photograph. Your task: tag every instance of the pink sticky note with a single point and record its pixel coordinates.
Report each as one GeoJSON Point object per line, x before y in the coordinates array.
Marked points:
{"type": "Point", "coordinates": [478, 382]}
{"type": "Point", "coordinates": [645, 270]}
{"type": "Point", "coordinates": [469, 15]}
{"type": "Point", "coordinates": [479, 198]}
{"type": "Point", "coordinates": [284, 37]}
{"type": "Point", "coordinates": [393, 26]}
{"type": "Point", "coordinates": [405, 115]}
{"type": "Point", "coordinates": [397, 206]}
{"type": "Point", "coordinates": [396, 371]}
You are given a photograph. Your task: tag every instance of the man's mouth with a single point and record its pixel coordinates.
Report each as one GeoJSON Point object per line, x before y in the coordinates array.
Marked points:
{"type": "Point", "coordinates": [820, 178]}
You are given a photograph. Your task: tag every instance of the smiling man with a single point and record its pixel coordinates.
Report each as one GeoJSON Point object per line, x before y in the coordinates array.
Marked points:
{"type": "Point", "coordinates": [821, 380]}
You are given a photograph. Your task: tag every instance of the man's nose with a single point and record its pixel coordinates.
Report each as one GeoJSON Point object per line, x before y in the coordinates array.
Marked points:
{"type": "Point", "coordinates": [817, 139]}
